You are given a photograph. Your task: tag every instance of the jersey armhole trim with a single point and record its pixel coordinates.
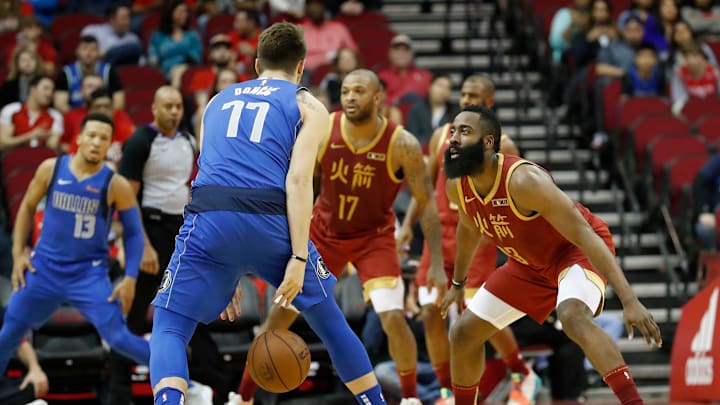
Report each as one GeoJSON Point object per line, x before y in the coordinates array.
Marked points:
{"type": "Point", "coordinates": [388, 161]}
{"type": "Point", "coordinates": [104, 194]}
{"type": "Point", "coordinates": [56, 169]}
{"type": "Point", "coordinates": [511, 203]}
{"type": "Point", "coordinates": [461, 194]}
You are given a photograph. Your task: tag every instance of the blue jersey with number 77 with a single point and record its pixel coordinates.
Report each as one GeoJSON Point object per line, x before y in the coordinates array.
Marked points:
{"type": "Point", "coordinates": [249, 130]}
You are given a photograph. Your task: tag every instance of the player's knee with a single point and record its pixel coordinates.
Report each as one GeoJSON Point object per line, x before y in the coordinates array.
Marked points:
{"type": "Point", "coordinates": [574, 316]}
{"type": "Point", "coordinates": [392, 321]}
{"type": "Point", "coordinates": [430, 315]}
{"type": "Point", "coordinates": [460, 333]}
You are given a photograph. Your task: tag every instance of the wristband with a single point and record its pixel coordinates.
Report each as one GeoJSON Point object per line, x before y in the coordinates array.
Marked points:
{"type": "Point", "coordinates": [458, 284]}
{"type": "Point", "coordinates": [300, 258]}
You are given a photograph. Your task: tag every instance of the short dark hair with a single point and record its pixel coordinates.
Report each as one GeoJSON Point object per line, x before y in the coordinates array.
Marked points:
{"type": "Point", "coordinates": [97, 117]}
{"type": "Point", "coordinates": [88, 39]}
{"type": "Point", "coordinates": [113, 9]}
{"type": "Point", "coordinates": [646, 46]}
{"type": "Point", "coordinates": [166, 16]}
{"type": "Point", "coordinates": [251, 14]}
{"type": "Point", "coordinates": [37, 79]}
{"type": "Point", "coordinates": [282, 46]}
{"type": "Point", "coordinates": [101, 92]}
{"type": "Point", "coordinates": [489, 122]}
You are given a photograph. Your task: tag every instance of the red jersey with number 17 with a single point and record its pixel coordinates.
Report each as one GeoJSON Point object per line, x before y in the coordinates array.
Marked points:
{"type": "Point", "coordinates": [529, 240]}
{"type": "Point", "coordinates": [358, 185]}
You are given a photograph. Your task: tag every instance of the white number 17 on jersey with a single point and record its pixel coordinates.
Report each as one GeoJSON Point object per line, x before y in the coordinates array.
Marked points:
{"type": "Point", "coordinates": [237, 109]}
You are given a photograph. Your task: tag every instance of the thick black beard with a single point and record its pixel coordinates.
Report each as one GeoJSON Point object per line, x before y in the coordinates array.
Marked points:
{"type": "Point", "coordinates": [469, 160]}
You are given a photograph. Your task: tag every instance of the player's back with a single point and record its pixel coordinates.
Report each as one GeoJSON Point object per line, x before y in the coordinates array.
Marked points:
{"type": "Point", "coordinates": [76, 221]}
{"type": "Point", "coordinates": [249, 130]}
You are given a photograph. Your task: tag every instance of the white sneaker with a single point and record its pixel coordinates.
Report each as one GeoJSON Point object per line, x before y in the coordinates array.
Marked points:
{"type": "Point", "coordinates": [236, 399]}
{"type": "Point", "coordinates": [410, 401]}
{"type": "Point", "coordinates": [199, 394]}
{"type": "Point", "coordinates": [37, 402]}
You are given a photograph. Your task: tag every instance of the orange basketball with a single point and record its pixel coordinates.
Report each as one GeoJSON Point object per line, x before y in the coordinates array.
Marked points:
{"type": "Point", "coordinates": [278, 360]}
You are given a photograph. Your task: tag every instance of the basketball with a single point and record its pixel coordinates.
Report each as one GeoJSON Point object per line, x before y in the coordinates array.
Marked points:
{"type": "Point", "coordinates": [278, 360]}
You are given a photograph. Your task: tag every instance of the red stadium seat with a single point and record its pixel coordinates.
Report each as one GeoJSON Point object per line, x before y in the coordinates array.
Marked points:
{"type": "Point", "coordinates": [646, 130]}
{"type": "Point", "coordinates": [611, 98]}
{"type": "Point", "coordinates": [373, 55]}
{"type": "Point", "coordinates": [679, 176]}
{"type": "Point", "coordinates": [663, 150]}
{"type": "Point", "coordinates": [23, 158]}
{"type": "Point", "coordinates": [140, 115]}
{"type": "Point", "coordinates": [634, 108]}
{"type": "Point", "coordinates": [709, 128]}
{"type": "Point", "coordinates": [218, 24]}
{"type": "Point", "coordinates": [367, 19]}
{"type": "Point", "coordinates": [696, 108]}
{"type": "Point", "coordinates": [150, 24]}
{"type": "Point", "coordinates": [67, 49]}
{"type": "Point", "coordinates": [370, 36]}
{"type": "Point", "coordinates": [319, 73]}
{"type": "Point", "coordinates": [133, 77]}
{"type": "Point", "coordinates": [72, 24]}
{"type": "Point", "coordinates": [139, 97]}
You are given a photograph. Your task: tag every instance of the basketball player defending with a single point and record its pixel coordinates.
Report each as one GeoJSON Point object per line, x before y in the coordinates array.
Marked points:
{"type": "Point", "coordinates": [70, 261]}
{"type": "Point", "coordinates": [250, 213]}
{"type": "Point", "coordinates": [560, 256]}
{"type": "Point", "coordinates": [362, 164]}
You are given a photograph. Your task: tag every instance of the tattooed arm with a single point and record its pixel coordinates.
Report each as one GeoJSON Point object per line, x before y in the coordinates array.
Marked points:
{"type": "Point", "coordinates": [409, 153]}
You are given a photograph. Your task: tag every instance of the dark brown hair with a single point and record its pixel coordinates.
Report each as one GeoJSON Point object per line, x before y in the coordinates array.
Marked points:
{"type": "Point", "coordinates": [281, 47]}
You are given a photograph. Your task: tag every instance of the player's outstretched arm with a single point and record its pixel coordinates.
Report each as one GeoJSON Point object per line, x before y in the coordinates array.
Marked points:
{"type": "Point", "coordinates": [299, 192]}
{"type": "Point", "coordinates": [123, 198]}
{"type": "Point", "coordinates": [531, 189]}
{"type": "Point", "coordinates": [467, 241]}
{"type": "Point", "coordinates": [24, 222]}
{"type": "Point", "coordinates": [409, 152]}
{"type": "Point", "coordinates": [35, 374]}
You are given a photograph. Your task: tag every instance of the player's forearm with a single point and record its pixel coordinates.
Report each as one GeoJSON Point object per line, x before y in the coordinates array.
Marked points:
{"type": "Point", "coordinates": [22, 229]}
{"type": "Point", "coordinates": [27, 356]}
{"type": "Point", "coordinates": [603, 260]}
{"type": "Point", "coordinates": [299, 195]}
{"type": "Point", "coordinates": [467, 242]}
{"type": "Point", "coordinates": [430, 224]}
{"type": "Point", "coordinates": [411, 216]}
{"type": "Point", "coordinates": [134, 240]}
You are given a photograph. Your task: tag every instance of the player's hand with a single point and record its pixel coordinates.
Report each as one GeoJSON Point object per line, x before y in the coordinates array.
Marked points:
{"type": "Point", "coordinates": [411, 301]}
{"type": "Point", "coordinates": [436, 278]}
{"type": "Point", "coordinates": [292, 283]}
{"type": "Point", "coordinates": [20, 264]}
{"type": "Point", "coordinates": [125, 291]}
{"type": "Point", "coordinates": [36, 376]}
{"type": "Point", "coordinates": [636, 315]}
{"type": "Point", "coordinates": [149, 263]}
{"type": "Point", "coordinates": [453, 296]}
{"type": "Point", "coordinates": [403, 240]}
{"type": "Point", "coordinates": [233, 308]}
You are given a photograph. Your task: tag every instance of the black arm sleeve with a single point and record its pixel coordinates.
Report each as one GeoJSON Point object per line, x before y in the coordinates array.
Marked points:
{"type": "Point", "coordinates": [113, 81]}
{"type": "Point", "coordinates": [135, 153]}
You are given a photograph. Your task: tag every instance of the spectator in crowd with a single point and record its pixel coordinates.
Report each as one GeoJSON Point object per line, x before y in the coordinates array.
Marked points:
{"type": "Point", "coordinates": [101, 102]}
{"type": "Point", "coordinates": [323, 37]}
{"type": "Point", "coordinates": [220, 57]}
{"type": "Point", "coordinates": [585, 44]}
{"type": "Point", "coordinates": [402, 77]}
{"type": "Point", "coordinates": [25, 65]}
{"type": "Point", "coordinates": [682, 35]}
{"type": "Point", "coordinates": [223, 78]}
{"type": "Point", "coordinates": [668, 15]}
{"type": "Point", "coordinates": [345, 61]}
{"type": "Point", "coordinates": [432, 111]}
{"type": "Point", "coordinates": [175, 45]}
{"type": "Point", "coordinates": [703, 18]}
{"type": "Point", "coordinates": [69, 94]}
{"type": "Point", "coordinates": [644, 11]}
{"type": "Point", "coordinates": [244, 39]}
{"type": "Point", "coordinates": [565, 23]}
{"type": "Point", "coordinates": [97, 7]}
{"type": "Point", "coordinates": [645, 78]}
{"type": "Point", "coordinates": [73, 118]}
{"type": "Point", "coordinates": [157, 161]}
{"type": "Point", "coordinates": [118, 45]}
{"type": "Point", "coordinates": [695, 78]}
{"type": "Point", "coordinates": [30, 36]}
{"type": "Point", "coordinates": [707, 200]}
{"type": "Point", "coordinates": [33, 122]}
{"type": "Point", "coordinates": [295, 9]}
{"type": "Point", "coordinates": [10, 13]}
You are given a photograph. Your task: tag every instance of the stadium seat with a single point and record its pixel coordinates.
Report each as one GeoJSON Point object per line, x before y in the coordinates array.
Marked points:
{"type": "Point", "coordinates": [144, 77]}
{"type": "Point", "coordinates": [218, 24]}
{"type": "Point", "coordinates": [141, 96]}
{"type": "Point", "coordinates": [67, 46]}
{"type": "Point", "coordinates": [140, 114]}
{"type": "Point", "coordinates": [611, 99]}
{"type": "Point", "coordinates": [709, 127]}
{"type": "Point", "coordinates": [187, 77]}
{"type": "Point", "coordinates": [632, 110]}
{"type": "Point", "coordinates": [72, 24]}
{"type": "Point", "coordinates": [319, 73]}
{"type": "Point", "coordinates": [150, 24]}
{"type": "Point", "coordinates": [645, 131]}
{"type": "Point", "coordinates": [697, 107]}
{"type": "Point", "coordinates": [663, 150]}
{"type": "Point", "coordinates": [372, 35]}
{"type": "Point", "coordinates": [678, 177]}
{"type": "Point", "coordinates": [24, 157]}
{"type": "Point", "coordinates": [373, 55]}
{"type": "Point", "coordinates": [367, 19]}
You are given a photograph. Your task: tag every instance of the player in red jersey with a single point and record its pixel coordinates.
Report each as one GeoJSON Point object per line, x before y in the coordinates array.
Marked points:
{"type": "Point", "coordinates": [476, 90]}
{"type": "Point", "coordinates": [560, 257]}
{"type": "Point", "coordinates": [361, 166]}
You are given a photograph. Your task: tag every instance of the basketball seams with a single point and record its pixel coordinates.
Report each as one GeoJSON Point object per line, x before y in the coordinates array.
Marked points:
{"type": "Point", "coordinates": [294, 353]}
{"type": "Point", "coordinates": [270, 359]}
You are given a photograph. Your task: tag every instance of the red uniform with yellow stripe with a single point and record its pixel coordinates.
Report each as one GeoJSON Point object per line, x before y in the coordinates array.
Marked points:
{"type": "Point", "coordinates": [486, 257]}
{"type": "Point", "coordinates": [538, 256]}
{"type": "Point", "coordinates": [353, 220]}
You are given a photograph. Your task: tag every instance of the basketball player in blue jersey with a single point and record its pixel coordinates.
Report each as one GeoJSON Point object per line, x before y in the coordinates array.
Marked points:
{"type": "Point", "coordinates": [250, 213]}
{"type": "Point", "coordinates": [70, 261]}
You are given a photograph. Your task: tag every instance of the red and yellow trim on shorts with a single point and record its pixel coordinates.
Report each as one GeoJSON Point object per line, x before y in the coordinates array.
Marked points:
{"type": "Point", "coordinates": [376, 283]}
{"type": "Point", "coordinates": [595, 279]}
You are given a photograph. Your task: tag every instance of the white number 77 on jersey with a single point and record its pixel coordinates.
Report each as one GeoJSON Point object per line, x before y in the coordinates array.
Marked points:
{"type": "Point", "coordinates": [237, 109]}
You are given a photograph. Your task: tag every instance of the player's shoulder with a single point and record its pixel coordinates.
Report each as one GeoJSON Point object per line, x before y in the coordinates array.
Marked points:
{"type": "Point", "coordinates": [405, 140]}
{"type": "Point", "coordinates": [309, 105]}
{"type": "Point", "coordinates": [528, 177]}
{"type": "Point", "coordinates": [47, 166]}
{"type": "Point", "coordinates": [451, 190]}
